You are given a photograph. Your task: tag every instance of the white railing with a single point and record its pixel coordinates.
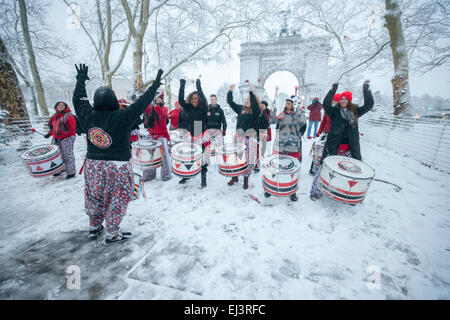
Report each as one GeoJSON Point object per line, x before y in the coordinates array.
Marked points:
{"type": "Point", "coordinates": [425, 140]}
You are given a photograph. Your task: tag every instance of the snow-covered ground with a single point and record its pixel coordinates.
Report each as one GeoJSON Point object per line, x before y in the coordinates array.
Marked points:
{"type": "Point", "coordinates": [219, 243]}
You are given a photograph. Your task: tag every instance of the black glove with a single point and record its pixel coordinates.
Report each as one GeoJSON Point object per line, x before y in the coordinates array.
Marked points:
{"type": "Point", "coordinates": [198, 84]}
{"type": "Point", "coordinates": [82, 72]}
{"type": "Point", "coordinates": [47, 136]}
{"type": "Point", "coordinates": [182, 82]}
{"type": "Point", "coordinates": [366, 86]}
{"type": "Point", "coordinates": [158, 78]}
{"type": "Point", "coordinates": [335, 86]}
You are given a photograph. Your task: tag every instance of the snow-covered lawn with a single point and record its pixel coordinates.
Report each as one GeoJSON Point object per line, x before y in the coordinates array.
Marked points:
{"type": "Point", "coordinates": [219, 243]}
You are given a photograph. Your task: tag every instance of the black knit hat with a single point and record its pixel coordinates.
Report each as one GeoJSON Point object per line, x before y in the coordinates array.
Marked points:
{"type": "Point", "coordinates": [105, 99]}
{"type": "Point", "coordinates": [264, 102]}
{"type": "Point", "coordinates": [56, 104]}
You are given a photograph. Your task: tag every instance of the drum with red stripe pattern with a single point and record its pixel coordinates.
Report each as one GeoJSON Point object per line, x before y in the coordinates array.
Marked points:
{"type": "Point", "coordinates": [186, 159]}
{"type": "Point", "coordinates": [232, 159]}
{"type": "Point", "coordinates": [146, 154]}
{"type": "Point", "coordinates": [43, 160]}
{"type": "Point", "coordinates": [345, 179]}
{"type": "Point", "coordinates": [280, 175]}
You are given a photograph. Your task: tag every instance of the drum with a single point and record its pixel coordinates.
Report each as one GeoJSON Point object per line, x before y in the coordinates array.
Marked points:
{"type": "Point", "coordinates": [317, 151]}
{"type": "Point", "coordinates": [146, 154]}
{"type": "Point", "coordinates": [280, 175]}
{"type": "Point", "coordinates": [179, 135]}
{"type": "Point", "coordinates": [186, 159]}
{"type": "Point", "coordinates": [43, 160]}
{"type": "Point", "coordinates": [232, 159]}
{"type": "Point", "coordinates": [345, 179]}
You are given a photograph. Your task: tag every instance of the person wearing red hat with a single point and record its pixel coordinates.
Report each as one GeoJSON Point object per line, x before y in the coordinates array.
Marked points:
{"type": "Point", "coordinates": [173, 116]}
{"type": "Point", "coordinates": [155, 119]}
{"type": "Point", "coordinates": [62, 126]}
{"type": "Point", "coordinates": [343, 138]}
{"type": "Point", "coordinates": [314, 116]}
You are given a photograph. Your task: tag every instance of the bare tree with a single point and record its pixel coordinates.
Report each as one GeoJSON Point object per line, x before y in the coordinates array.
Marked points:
{"type": "Point", "coordinates": [32, 58]}
{"type": "Point", "coordinates": [11, 96]}
{"type": "Point", "coordinates": [400, 80]}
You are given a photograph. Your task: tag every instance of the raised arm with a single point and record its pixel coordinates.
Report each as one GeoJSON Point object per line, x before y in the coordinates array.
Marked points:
{"type": "Point", "coordinates": [223, 120]}
{"type": "Point", "coordinates": [183, 103]}
{"type": "Point", "coordinates": [236, 107]}
{"type": "Point", "coordinates": [329, 109]}
{"type": "Point", "coordinates": [254, 104]}
{"type": "Point", "coordinates": [201, 95]}
{"type": "Point", "coordinates": [368, 100]}
{"type": "Point", "coordinates": [79, 99]}
{"type": "Point", "coordinates": [137, 108]}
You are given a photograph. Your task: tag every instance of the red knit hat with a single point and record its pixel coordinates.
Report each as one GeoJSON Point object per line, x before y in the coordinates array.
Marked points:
{"type": "Point", "coordinates": [337, 97]}
{"type": "Point", "coordinates": [347, 94]}
{"type": "Point", "coordinates": [123, 102]}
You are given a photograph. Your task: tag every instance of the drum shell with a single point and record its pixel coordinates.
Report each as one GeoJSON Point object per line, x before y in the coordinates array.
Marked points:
{"type": "Point", "coordinates": [187, 165]}
{"type": "Point", "coordinates": [280, 184]}
{"type": "Point", "coordinates": [146, 158]}
{"type": "Point", "coordinates": [342, 188]}
{"type": "Point", "coordinates": [232, 164]}
{"type": "Point", "coordinates": [46, 164]}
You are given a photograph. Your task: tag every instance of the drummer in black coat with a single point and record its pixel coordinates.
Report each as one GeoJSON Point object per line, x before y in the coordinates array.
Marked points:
{"type": "Point", "coordinates": [195, 110]}
{"type": "Point", "coordinates": [247, 116]}
{"type": "Point", "coordinates": [343, 138]}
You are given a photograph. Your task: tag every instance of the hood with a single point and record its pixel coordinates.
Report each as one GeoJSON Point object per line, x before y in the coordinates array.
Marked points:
{"type": "Point", "coordinates": [105, 99]}
{"type": "Point", "coordinates": [67, 109]}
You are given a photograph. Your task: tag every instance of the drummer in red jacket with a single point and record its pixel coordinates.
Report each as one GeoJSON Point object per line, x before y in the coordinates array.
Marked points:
{"type": "Point", "coordinates": [155, 119]}
{"type": "Point", "coordinates": [173, 116]}
{"type": "Point", "coordinates": [62, 126]}
{"type": "Point", "coordinates": [314, 116]}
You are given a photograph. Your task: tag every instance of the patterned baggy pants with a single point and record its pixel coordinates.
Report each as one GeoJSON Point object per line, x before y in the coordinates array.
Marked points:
{"type": "Point", "coordinates": [66, 147]}
{"type": "Point", "coordinates": [315, 190]}
{"type": "Point", "coordinates": [166, 166]}
{"type": "Point", "coordinates": [107, 192]}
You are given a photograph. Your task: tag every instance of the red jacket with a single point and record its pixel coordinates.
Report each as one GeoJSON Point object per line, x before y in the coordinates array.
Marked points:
{"type": "Point", "coordinates": [314, 114]}
{"type": "Point", "coordinates": [159, 128]}
{"type": "Point", "coordinates": [62, 124]}
{"type": "Point", "coordinates": [324, 125]}
{"type": "Point", "coordinates": [174, 117]}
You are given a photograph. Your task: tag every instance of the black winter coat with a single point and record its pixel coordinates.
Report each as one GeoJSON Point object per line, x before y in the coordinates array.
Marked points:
{"type": "Point", "coordinates": [262, 122]}
{"type": "Point", "coordinates": [245, 121]}
{"type": "Point", "coordinates": [341, 131]}
{"type": "Point", "coordinates": [215, 118]}
{"type": "Point", "coordinates": [182, 119]}
{"type": "Point", "coordinates": [193, 114]}
{"type": "Point", "coordinates": [108, 128]}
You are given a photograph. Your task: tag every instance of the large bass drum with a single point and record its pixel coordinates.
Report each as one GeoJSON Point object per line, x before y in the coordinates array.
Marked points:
{"type": "Point", "coordinates": [280, 175]}
{"type": "Point", "coordinates": [43, 160]}
{"type": "Point", "coordinates": [146, 154]}
{"type": "Point", "coordinates": [186, 159]}
{"type": "Point", "coordinates": [232, 159]}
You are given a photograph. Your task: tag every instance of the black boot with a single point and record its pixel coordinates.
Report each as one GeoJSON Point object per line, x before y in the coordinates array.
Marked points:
{"type": "Point", "coordinates": [266, 194]}
{"type": "Point", "coordinates": [57, 174]}
{"type": "Point", "coordinates": [70, 176]}
{"type": "Point", "coordinates": [120, 237]}
{"type": "Point", "coordinates": [183, 180]}
{"type": "Point", "coordinates": [294, 197]}
{"type": "Point", "coordinates": [203, 179]}
{"type": "Point", "coordinates": [245, 183]}
{"type": "Point", "coordinates": [95, 232]}
{"type": "Point", "coordinates": [233, 181]}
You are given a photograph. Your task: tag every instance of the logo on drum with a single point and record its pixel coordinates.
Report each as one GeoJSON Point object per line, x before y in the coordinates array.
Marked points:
{"type": "Point", "coordinates": [285, 165]}
{"type": "Point", "coordinates": [99, 138]}
{"type": "Point", "coordinates": [39, 151]}
{"type": "Point", "coordinates": [349, 166]}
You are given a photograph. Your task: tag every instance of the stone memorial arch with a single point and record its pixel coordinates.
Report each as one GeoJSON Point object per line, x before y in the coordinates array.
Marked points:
{"type": "Point", "coordinates": [306, 58]}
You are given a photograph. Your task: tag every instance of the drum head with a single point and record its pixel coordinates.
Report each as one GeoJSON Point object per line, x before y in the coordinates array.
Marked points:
{"type": "Point", "coordinates": [174, 135]}
{"type": "Point", "coordinates": [231, 148]}
{"type": "Point", "coordinates": [40, 152]}
{"type": "Point", "coordinates": [146, 144]}
{"type": "Point", "coordinates": [349, 167]}
{"type": "Point", "coordinates": [281, 164]}
{"type": "Point", "coordinates": [186, 149]}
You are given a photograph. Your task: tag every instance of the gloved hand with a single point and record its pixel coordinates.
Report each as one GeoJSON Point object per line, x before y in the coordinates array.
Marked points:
{"type": "Point", "coordinates": [82, 72]}
{"type": "Point", "coordinates": [366, 86]}
{"type": "Point", "coordinates": [158, 78]}
{"type": "Point", "coordinates": [182, 82]}
{"type": "Point", "coordinates": [224, 133]}
{"type": "Point", "coordinates": [198, 84]}
{"type": "Point", "coordinates": [335, 86]}
{"type": "Point", "coordinates": [47, 136]}
{"type": "Point", "coordinates": [317, 135]}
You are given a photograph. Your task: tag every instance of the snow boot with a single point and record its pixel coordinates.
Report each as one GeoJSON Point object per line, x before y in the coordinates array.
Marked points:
{"type": "Point", "coordinates": [183, 180]}
{"type": "Point", "coordinates": [256, 170]}
{"type": "Point", "coordinates": [293, 197]}
{"type": "Point", "coordinates": [120, 237]}
{"type": "Point", "coordinates": [203, 179]}
{"type": "Point", "coordinates": [233, 181]}
{"type": "Point", "coordinates": [94, 232]}
{"type": "Point", "coordinates": [70, 176]}
{"type": "Point", "coordinates": [245, 183]}
{"type": "Point", "coordinates": [267, 195]}
{"type": "Point", "coordinates": [313, 198]}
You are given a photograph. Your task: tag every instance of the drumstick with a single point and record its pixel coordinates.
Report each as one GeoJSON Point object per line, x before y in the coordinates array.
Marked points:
{"type": "Point", "coordinates": [34, 130]}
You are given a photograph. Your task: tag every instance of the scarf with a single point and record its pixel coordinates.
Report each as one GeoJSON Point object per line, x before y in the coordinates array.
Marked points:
{"type": "Point", "coordinates": [60, 120]}
{"type": "Point", "coordinates": [349, 116]}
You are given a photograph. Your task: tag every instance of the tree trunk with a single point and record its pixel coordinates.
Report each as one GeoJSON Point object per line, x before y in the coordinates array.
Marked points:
{"type": "Point", "coordinates": [32, 58]}
{"type": "Point", "coordinates": [137, 67]}
{"type": "Point", "coordinates": [400, 80]}
{"type": "Point", "coordinates": [11, 96]}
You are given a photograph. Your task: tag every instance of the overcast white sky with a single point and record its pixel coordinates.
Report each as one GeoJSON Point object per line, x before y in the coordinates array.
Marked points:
{"type": "Point", "coordinates": [213, 75]}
